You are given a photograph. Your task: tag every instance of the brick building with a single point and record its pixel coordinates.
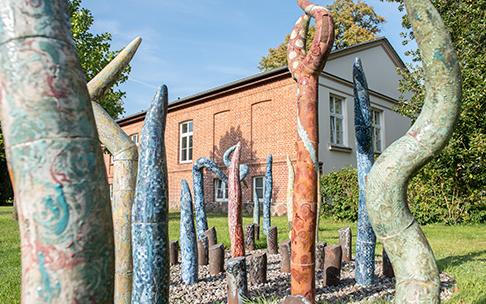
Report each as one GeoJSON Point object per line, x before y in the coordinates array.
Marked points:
{"type": "Point", "coordinates": [260, 112]}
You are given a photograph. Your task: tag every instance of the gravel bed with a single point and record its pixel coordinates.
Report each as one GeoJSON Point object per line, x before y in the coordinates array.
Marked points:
{"type": "Point", "coordinates": [212, 289]}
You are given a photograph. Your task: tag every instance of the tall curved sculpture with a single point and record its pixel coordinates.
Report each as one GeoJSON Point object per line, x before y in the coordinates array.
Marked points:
{"type": "Point", "coordinates": [366, 239]}
{"type": "Point", "coordinates": [53, 149]}
{"type": "Point", "coordinates": [150, 218]}
{"type": "Point", "coordinates": [234, 206]}
{"type": "Point", "coordinates": [267, 196]}
{"type": "Point", "coordinates": [125, 163]}
{"type": "Point", "coordinates": [305, 67]}
{"type": "Point", "coordinates": [417, 276]}
{"type": "Point", "coordinates": [198, 185]}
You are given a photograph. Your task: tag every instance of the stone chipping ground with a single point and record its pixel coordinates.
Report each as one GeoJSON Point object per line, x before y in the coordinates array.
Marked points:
{"type": "Point", "coordinates": [212, 289]}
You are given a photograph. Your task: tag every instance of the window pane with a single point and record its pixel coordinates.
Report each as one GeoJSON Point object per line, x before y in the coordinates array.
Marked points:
{"type": "Point", "coordinates": [189, 124]}
{"type": "Point", "coordinates": [339, 131]}
{"type": "Point", "coordinates": [184, 142]}
{"type": "Point", "coordinates": [259, 182]}
{"type": "Point", "coordinates": [338, 106]}
{"type": "Point", "coordinates": [190, 141]}
{"type": "Point", "coordinates": [331, 104]}
{"type": "Point", "coordinates": [184, 128]}
{"type": "Point", "coordinates": [189, 157]}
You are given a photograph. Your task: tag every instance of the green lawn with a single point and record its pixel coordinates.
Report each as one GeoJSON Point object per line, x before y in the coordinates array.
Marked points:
{"type": "Point", "coordinates": [460, 251]}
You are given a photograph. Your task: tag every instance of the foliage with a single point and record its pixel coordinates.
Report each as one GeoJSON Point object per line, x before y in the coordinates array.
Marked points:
{"type": "Point", "coordinates": [429, 201]}
{"type": "Point", "coordinates": [355, 22]}
{"type": "Point", "coordinates": [339, 191]}
{"type": "Point", "coordinates": [94, 54]}
{"type": "Point", "coordinates": [457, 177]}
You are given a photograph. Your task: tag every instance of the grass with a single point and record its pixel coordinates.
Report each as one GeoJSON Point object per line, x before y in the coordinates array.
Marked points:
{"type": "Point", "coordinates": [459, 250]}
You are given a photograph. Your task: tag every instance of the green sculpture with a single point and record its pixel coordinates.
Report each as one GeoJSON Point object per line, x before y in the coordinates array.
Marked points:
{"type": "Point", "coordinates": [417, 276]}
{"type": "Point", "coordinates": [53, 149]}
{"type": "Point", "coordinates": [125, 164]}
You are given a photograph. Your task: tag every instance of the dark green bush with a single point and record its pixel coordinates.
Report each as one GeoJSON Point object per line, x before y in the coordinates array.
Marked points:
{"type": "Point", "coordinates": [433, 198]}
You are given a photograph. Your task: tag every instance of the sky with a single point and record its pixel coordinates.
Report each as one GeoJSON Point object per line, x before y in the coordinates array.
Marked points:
{"type": "Point", "coordinates": [192, 46]}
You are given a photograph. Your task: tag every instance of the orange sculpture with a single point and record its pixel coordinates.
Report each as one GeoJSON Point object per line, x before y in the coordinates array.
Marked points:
{"type": "Point", "coordinates": [305, 67]}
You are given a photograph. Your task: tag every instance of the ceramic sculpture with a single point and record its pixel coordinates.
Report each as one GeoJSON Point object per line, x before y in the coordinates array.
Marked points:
{"type": "Point", "coordinates": [53, 150]}
{"type": "Point", "coordinates": [306, 67]}
{"type": "Point", "coordinates": [417, 276]}
{"type": "Point", "coordinates": [150, 218]}
{"type": "Point", "coordinates": [234, 206]}
{"type": "Point", "coordinates": [267, 196]}
{"type": "Point", "coordinates": [189, 265]}
{"type": "Point", "coordinates": [290, 193]}
{"type": "Point", "coordinates": [366, 239]}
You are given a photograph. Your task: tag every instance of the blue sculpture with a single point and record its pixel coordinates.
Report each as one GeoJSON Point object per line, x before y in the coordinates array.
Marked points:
{"type": "Point", "coordinates": [150, 210]}
{"type": "Point", "coordinates": [366, 239]}
{"type": "Point", "coordinates": [267, 197]}
{"type": "Point", "coordinates": [198, 185]}
{"type": "Point", "coordinates": [189, 266]}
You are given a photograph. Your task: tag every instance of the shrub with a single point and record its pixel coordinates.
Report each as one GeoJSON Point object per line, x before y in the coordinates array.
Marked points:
{"type": "Point", "coordinates": [433, 198]}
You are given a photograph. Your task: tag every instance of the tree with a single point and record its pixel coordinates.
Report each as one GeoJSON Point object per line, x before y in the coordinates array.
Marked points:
{"type": "Point", "coordinates": [456, 178]}
{"type": "Point", "coordinates": [94, 53]}
{"type": "Point", "coordinates": [355, 22]}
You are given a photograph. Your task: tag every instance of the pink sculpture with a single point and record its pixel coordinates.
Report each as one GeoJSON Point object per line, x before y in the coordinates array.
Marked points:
{"type": "Point", "coordinates": [234, 206]}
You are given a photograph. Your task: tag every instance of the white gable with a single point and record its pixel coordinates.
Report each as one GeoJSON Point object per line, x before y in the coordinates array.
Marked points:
{"type": "Point", "coordinates": [378, 65]}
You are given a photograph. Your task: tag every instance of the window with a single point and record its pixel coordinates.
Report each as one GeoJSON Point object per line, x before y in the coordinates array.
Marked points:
{"type": "Point", "coordinates": [220, 190]}
{"type": "Point", "coordinates": [185, 142]}
{"type": "Point", "coordinates": [134, 138]}
{"type": "Point", "coordinates": [258, 188]}
{"type": "Point", "coordinates": [336, 105]}
{"type": "Point", "coordinates": [376, 130]}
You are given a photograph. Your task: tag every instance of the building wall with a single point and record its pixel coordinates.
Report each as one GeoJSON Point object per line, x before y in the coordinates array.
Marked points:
{"type": "Point", "coordinates": [261, 117]}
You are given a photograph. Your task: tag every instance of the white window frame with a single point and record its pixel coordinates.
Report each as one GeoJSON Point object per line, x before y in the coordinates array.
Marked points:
{"type": "Point", "coordinates": [377, 126]}
{"type": "Point", "coordinates": [334, 117]}
{"type": "Point", "coordinates": [254, 186]}
{"type": "Point", "coordinates": [135, 138]}
{"type": "Point", "coordinates": [184, 153]}
{"type": "Point", "coordinates": [216, 183]}
{"type": "Point", "coordinates": [111, 191]}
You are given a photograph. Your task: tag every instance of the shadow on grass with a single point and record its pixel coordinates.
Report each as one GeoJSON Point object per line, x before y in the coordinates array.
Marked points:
{"type": "Point", "coordinates": [457, 260]}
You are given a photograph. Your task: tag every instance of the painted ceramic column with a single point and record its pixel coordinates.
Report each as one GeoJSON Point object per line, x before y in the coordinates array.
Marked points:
{"type": "Point", "coordinates": [198, 185]}
{"type": "Point", "coordinates": [150, 210]}
{"type": "Point", "coordinates": [53, 149]}
{"type": "Point", "coordinates": [305, 68]}
{"type": "Point", "coordinates": [267, 196]}
{"type": "Point", "coordinates": [125, 163]}
{"type": "Point", "coordinates": [290, 193]}
{"type": "Point", "coordinates": [189, 266]}
{"type": "Point", "coordinates": [417, 276]}
{"type": "Point", "coordinates": [234, 206]}
{"type": "Point", "coordinates": [366, 239]}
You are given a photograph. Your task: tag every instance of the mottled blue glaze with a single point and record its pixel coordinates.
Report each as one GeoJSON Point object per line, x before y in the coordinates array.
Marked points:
{"type": "Point", "coordinates": [256, 208]}
{"type": "Point", "coordinates": [150, 210]}
{"type": "Point", "coordinates": [267, 197]}
{"type": "Point", "coordinates": [244, 169]}
{"type": "Point", "coordinates": [198, 187]}
{"type": "Point", "coordinates": [189, 266]}
{"type": "Point", "coordinates": [366, 239]}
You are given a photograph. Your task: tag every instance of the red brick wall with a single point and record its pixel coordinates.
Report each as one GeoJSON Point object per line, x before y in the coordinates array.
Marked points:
{"type": "Point", "coordinates": [262, 117]}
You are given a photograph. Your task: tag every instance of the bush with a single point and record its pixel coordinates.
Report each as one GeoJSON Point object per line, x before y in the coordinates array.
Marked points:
{"type": "Point", "coordinates": [433, 198]}
{"type": "Point", "coordinates": [339, 191]}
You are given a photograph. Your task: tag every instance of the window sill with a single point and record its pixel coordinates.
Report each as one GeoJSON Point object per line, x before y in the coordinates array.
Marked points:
{"type": "Point", "coordinates": [186, 162]}
{"type": "Point", "coordinates": [340, 148]}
